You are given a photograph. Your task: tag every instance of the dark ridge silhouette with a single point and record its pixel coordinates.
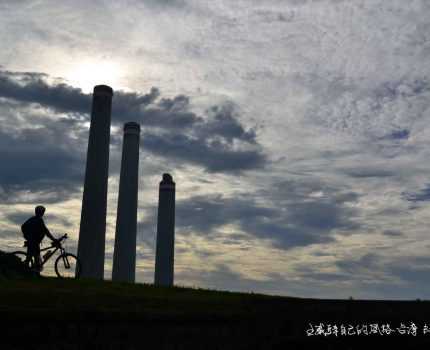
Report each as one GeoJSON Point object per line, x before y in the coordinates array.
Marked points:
{"type": "Point", "coordinates": [12, 267]}
{"type": "Point", "coordinates": [111, 315]}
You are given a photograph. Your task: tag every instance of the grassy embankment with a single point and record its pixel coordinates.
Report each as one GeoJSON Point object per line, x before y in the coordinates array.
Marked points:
{"type": "Point", "coordinates": [119, 315]}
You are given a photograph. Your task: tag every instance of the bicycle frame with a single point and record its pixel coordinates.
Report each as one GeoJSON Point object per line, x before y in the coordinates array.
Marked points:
{"type": "Point", "coordinates": [43, 260]}
{"type": "Point", "coordinates": [60, 247]}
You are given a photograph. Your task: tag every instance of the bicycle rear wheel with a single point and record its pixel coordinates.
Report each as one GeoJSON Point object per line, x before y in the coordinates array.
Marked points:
{"type": "Point", "coordinates": [22, 256]}
{"type": "Point", "coordinates": [67, 266]}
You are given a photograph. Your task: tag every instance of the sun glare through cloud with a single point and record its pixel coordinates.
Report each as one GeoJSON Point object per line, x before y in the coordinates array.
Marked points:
{"type": "Point", "coordinates": [87, 74]}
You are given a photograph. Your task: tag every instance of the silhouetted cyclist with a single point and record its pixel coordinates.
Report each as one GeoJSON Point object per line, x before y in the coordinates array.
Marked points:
{"type": "Point", "coordinates": [34, 231]}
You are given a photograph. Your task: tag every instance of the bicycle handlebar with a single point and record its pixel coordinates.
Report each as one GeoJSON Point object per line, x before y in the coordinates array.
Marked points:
{"type": "Point", "coordinates": [62, 238]}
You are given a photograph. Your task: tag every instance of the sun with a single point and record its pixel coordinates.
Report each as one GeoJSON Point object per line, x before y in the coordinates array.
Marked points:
{"type": "Point", "coordinates": [87, 74]}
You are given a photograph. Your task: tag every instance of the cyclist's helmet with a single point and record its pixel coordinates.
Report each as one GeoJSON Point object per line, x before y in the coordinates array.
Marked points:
{"type": "Point", "coordinates": [39, 210]}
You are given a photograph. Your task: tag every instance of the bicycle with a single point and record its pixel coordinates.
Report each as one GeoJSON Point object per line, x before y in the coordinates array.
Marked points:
{"type": "Point", "coordinates": [67, 265]}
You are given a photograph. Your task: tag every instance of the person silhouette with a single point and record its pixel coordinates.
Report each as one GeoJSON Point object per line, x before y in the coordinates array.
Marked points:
{"type": "Point", "coordinates": [34, 230]}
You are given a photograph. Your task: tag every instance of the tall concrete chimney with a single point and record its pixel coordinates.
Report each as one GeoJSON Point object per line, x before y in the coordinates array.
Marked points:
{"type": "Point", "coordinates": [165, 249]}
{"type": "Point", "coordinates": [124, 257]}
{"type": "Point", "coordinates": [91, 244]}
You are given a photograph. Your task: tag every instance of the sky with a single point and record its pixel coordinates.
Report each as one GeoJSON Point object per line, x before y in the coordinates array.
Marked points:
{"type": "Point", "coordinates": [297, 132]}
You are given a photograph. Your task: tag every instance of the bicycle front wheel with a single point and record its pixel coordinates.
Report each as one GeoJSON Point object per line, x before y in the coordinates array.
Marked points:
{"type": "Point", "coordinates": [67, 266]}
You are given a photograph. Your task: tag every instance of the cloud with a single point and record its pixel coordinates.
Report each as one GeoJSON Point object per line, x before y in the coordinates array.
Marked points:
{"type": "Point", "coordinates": [294, 214]}
{"type": "Point", "coordinates": [385, 112]}
{"type": "Point", "coordinates": [399, 135]}
{"type": "Point", "coordinates": [216, 141]}
{"type": "Point", "coordinates": [390, 276]}
{"type": "Point", "coordinates": [411, 269]}
{"type": "Point", "coordinates": [366, 262]}
{"type": "Point", "coordinates": [215, 156]}
{"type": "Point", "coordinates": [163, 3]}
{"type": "Point", "coordinates": [305, 216]}
{"type": "Point", "coordinates": [224, 123]}
{"type": "Point", "coordinates": [368, 172]}
{"type": "Point", "coordinates": [392, 233]}
{"type": "Point", "coordinates": [31, 87]}
{"type": "Point", "coordinates": [39, 160]}
{"type": "Point", "coordinates": [422, 196]}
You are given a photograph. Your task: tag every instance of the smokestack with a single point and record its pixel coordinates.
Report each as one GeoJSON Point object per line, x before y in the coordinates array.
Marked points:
{"type": "Point", "coordinates": [124, 258]}
{"type": "Point", "coordinates": [164, 259]}
{"type": "Point", "coordinates": [91, 244]}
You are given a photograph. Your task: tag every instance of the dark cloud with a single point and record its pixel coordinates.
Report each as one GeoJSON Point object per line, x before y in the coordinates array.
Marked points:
{"type": "Point", "coordinates": [371, 276]}
{"type": "Point", "coordinates": [32, 88]}
{"type": "Point", "coordinates": [216, 141]}
{"type": "Point", "coordinates": [422, 196]}
{"type": "Point", "coordinates": [417, 276]}
{"type": "Point", "coordinates": [148, 109]}
{"type": "Point", "coordinates": [412, 271]}
{"type": "Point", "coordinates": [309, 211]}
{"type": "Point", "coordinates": [168, 113]}
{"type": "Point", "coordinates": [37, 160]}
{"type": "Point", "coordinates": [399, 134]}
{"type": "Point", "coordinates": [309, 190]}
{"type": "Point", "coordinates": [408, 269]}
{"type": "Point", "coordinates": [164, 3]}
{"type": "Point", "coordinates": [295, 220]}
{"type": "Point", "coordinates": [292, 220]}
{"type": "Point", "coordinates": [214, 155]}
{"type": "Point", "coordinates": [392, 233]}
{"type": "Point", "coordinates": [43, 159]}
{"type": "Point", "coordinates": [367, 172]}
{"type": "Point", "coordinates": [368, 261]}
{"type": "Point", "coordinates": [207, 213]}
{"type": "Point", "coordinates": [226, 124]}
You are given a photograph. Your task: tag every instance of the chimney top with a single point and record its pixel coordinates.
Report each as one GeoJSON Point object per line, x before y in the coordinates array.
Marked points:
{"type": "Point", "coordinates": [102, 90]}
{"type": "Point", "coordinates": [167, 177]}
{"type": "Point", "coordinates": [167, 180]}
{"type": "Point", "coordinates": [132, 126]}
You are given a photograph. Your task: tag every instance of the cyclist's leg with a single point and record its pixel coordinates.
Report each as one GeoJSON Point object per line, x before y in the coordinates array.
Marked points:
{"type": "Point", "coordinates": [33, 251]}
{"type": "Point", "coordinates": [29, 253]}
{"type": "Point", "coordinates": [37, 259]}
